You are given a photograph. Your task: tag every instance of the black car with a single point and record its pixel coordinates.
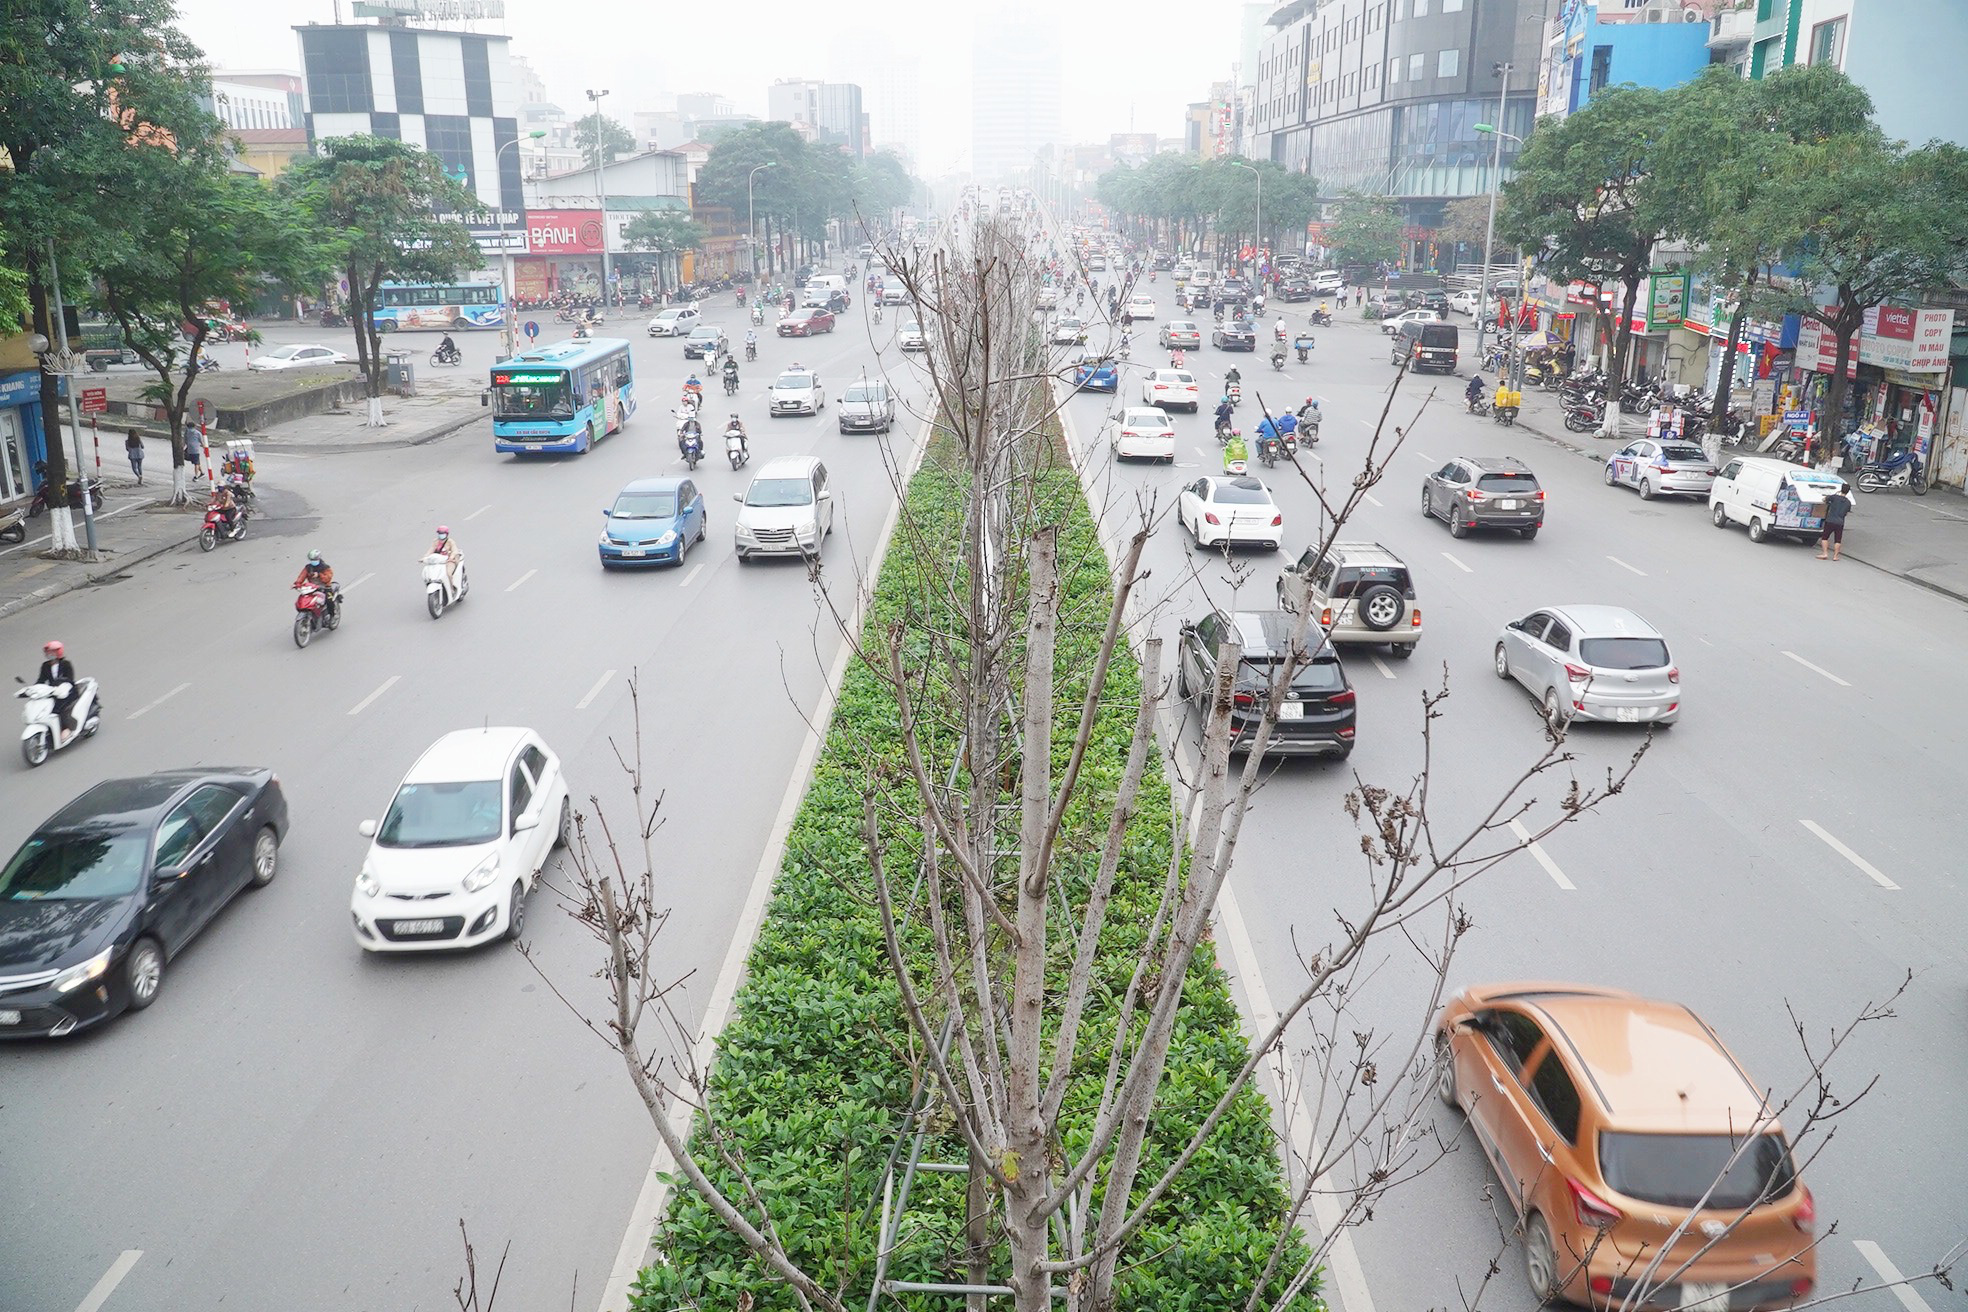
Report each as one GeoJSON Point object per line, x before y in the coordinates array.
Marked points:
{"type": "Point", "coordinates": [1295, 289]}
{"type": "Point", "coordinates": [102, 895]}
{"type": "Point", "coordinates": [1235, 335]}
{"type": "Point", "coordinates": [1162, 262]}
{"type": "Point", "coordinates": [1316, 716]}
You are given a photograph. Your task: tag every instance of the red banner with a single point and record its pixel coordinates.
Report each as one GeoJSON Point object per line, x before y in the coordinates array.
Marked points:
{"type": "Point", "coordinates": [563, 232]}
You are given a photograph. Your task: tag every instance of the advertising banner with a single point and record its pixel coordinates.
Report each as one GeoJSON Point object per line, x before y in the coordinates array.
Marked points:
{"type": "Point", "coordinates": [1667, 300]}
{"type": "Point", "coordinates": [563, 232]}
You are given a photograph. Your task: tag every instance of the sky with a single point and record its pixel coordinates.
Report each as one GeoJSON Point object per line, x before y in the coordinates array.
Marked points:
{"type": "Point", "coordinates": [1143, 60]}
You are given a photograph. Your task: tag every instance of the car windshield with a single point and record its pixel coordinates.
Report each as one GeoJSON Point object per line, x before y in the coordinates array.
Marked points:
{"type": "Point", "coordinates": [286, 352]}
{"type": "Point", "coordinates": [75, 865]}
{"type": "Point", "coordinates": [1623, 653]}
{"type": "Point", "coordinates": [442, 815]}
{"type": "Point", "coordinates": [644, 505]}
{"type": "Point", "coordinates": [780, 492]}
{"type": "Point", "coordinates": [1231, 494]}
{"type": "Point", "coordinates": [542, 395]}
{"type": "Point", "coordinates": [705, 334]}
{"type": "Point", "coordinates": [1508, 483]}
{"type": "Point", "coordinates": [1676, 1170]}
{"type": "Point", "coordinates": [1182, 326]}
{"type": "Point", "coordinates": [793, 383]}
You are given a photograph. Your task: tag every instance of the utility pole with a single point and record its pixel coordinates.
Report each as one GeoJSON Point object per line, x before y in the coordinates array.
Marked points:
{"type": "Point", "coordinates": [751, 215]}
{"type": "Point", "coordinates": [1489, 229]}
{"type": "Point", "coordinates": [601, 196]}
{"type": "Point", "coordinates": [67, 361]}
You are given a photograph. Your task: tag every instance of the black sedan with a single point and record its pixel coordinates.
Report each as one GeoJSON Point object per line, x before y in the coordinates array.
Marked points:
{"type": "Point", "coordinates": [1295, 289]}
{"type": "Point", "coordinates": [118, 882]}
{"type": "Point", "coordinates": [1235, 335]}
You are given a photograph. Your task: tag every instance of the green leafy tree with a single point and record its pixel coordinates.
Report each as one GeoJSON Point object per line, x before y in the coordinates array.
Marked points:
{"type": "Point", "coordinates": [666, 234]}
{"type": "Point", "coordinates": [1366, 230]}
{"type": "Point", "coordinates": [614, 140]}
{"type": "Point", "coordinates": [15, 312]}
{"type": "Point", "coordinates": [375, 202]}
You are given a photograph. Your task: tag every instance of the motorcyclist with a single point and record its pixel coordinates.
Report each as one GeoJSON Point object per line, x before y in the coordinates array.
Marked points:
{"type": "Point", "coordinates": [226, 504]}
{"type": "Point", "coordinates": [736, 426]}
{"type": "Point", "coordinates": [453, 557]}
{"type": "Point", "coordinates": [688, 429]}
{"type": "Point", "coordinates": [57, 670]}
{"type": "Point", "coordinates": [1235, 452]}
{"type": "Point", "coordinates": [1473, 393]}
{"type": "Point", "coordinates": [318, 573]}
{"type": "Point", "coordinates": [751, 345]}
{"type": "Point", "coordinates": [1224, 411]}
{"type": "Point", "coordinates": [1308, 415]}
{"type": "Point", "coordinates": [1231, 378]}
{"type": "Point", "coordinates": [730, 374]}
{"type": "Point", "coordinates": [1277, 355]}
{"type": "Point", "coordinates": [693, 388]}
{"type": "Point", "coordinates": [1279, 331]}
{"type": "Point", "coordinates": [446, 348]}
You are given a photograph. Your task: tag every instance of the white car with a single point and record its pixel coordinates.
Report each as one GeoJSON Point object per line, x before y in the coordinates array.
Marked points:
{"type": "Point", "coordinates": [1463, 302]}
{"type": "Point", "coordinates": [1392, 327]}
{"type": "Point", "coordinates": [464, 839]}
{"type": "Point", "coordinates": [1169, 388]}
{"type": "Point", "coordinates": [1144, 433]}
{"type": "Point", "coordinates": [674, 321]}
{"type": "Point", "coordinates": [788, 510]}
{"type": "Point", "coordinates": [296, 357]}
{"type": "Point", "coordinates": [1230, 511]}
{"type": "Point", "coordinates": [798, 392]}
{"type": "Point", "coordinates": [1327, 281]}
{"type": "Point", "coordinates": [1141, 306]}
{"type": "Point", "coordinates": [910, 337]}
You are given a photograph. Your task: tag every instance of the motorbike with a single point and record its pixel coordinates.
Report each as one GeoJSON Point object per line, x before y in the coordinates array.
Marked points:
{"type": "Point", "coordinates": [38, 505]}
{"type": "Point", "coordinates": [583, 331]}
{"type": "Point", "coordinates": [441, 356]}
{"type": "Point", "coordinates": [1224, 432]}
{"type": "Point", "coordinates": [13, 526]}
{"type": "Point", "coordinates": [758, 314]}
{"type": "Point", "coordinates": [736, 449]}
{"type": "Point", "coordinates": [1303, 344]}
{"type": "Point", "coordinates": [215, 530]}
{"type": "Point", "coordinates": [1792, 449]}
{"type": "Point", "coordinates": [741, 298]}
{"type": "Point", "coordinates": [731, 384]}
{"type": "Point", "coordinates": [333, 319]}
{"type": "Point", "coordinates": [751, 352]}
{"type": "Point", "coordinates": [1322, 317]}
{"type": "Point", "coordinates": [693, 448]}
{"type": "Point", "coordinates": [1307, 432]}
{"type": "Point", "coordinates": [1235, 391]}
{"type": "Point", "coordinates": [1901, 469]}
{"type": "Point", "coordinates": [1267, 451]}
{"type": "Point", "coordinates": [439, 591]}
{"type": "Point", "coordinates": [315, 608]}
{"type": "Point", "coordinates": [1278, 358]}
{"type": "Point", "coordinates": [1505, 415]}
{"type": "Point", "coordinates": [1584, 418]}
{"type": "Point", "coordinates": [41, 724]}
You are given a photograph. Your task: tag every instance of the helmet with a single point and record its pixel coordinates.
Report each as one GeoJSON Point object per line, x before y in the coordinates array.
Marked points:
{"type": "Point", "coordinates": [443, 532]}
{"type": "Point", "coordinates": [52, 649]}
{"type": "Point", "coordinates": [314, 558]}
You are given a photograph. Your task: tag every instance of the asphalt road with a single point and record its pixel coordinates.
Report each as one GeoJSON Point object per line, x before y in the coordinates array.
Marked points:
{"type": "Point", "coordinates": [1821, 717]}
{"type": "Point", "coordinates": [296, 1125]}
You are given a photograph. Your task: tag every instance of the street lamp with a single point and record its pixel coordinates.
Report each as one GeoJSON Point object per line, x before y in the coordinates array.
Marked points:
{"type": "Point", "coordinates": [1489, 229]}
{"type": "Point", "coordinates": [601, 191]}
{"type": "Point", "coordinates": [751, 217]}
{"type": "Point", "coordinates": [505, 252]}
{"type": "Point", "coordinates": [1237, 163]}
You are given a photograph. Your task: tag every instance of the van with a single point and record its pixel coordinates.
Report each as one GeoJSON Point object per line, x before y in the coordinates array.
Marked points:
{"type": "Point", "coordinates": [788, 510]}
{"type": "Point", "coordinates": [1428, 345]}
{"type": "Point", "coordinates": [826, 283]}
{"type": "Point", "coordinates": [1771, 497]}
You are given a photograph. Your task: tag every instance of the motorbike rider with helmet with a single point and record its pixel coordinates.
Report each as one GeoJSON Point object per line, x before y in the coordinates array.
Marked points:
{"type": "Point", "coordinates": [57, 670]}
{"type": "Point", "coordinates": [453, 557]}
{"type": "Point", "coordinates": [751, 344]}
{"type": "Point", "coordinates": [693, 388]}
{"type": "Point", "coordinates": [735, 427]}
{"type": "Point", "coordinates": [730, 375]}
{"type": "Point", "coordinates": [446, 348]}
{"type": "Point", "coordinates": [318, 573]}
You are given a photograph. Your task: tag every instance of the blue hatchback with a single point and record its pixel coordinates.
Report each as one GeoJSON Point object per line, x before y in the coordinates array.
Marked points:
{"type": "Point", "coordinates": [1097, 376]}
{"type": "Point", "coordinates": [654, 521]}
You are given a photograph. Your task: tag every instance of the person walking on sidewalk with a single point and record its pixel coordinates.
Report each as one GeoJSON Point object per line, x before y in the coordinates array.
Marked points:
{"type": "Point", "coordinates": [1836, 507]}
{"type": "Point", "coordinates": [133, 447]}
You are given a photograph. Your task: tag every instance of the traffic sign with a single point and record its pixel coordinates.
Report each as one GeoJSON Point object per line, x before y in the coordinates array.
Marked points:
{"type": "Point", "coordinates": [532, 329]}
{"type": "Point", "coordinates": [95, 400]}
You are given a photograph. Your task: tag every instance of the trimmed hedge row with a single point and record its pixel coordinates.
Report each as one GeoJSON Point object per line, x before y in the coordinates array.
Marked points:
{"type": "Point", "coordinates": [811, 1083]}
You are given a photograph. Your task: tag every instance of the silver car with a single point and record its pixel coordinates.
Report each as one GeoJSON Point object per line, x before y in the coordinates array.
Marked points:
{"type": "Point", "coordinates": [1592, 663]}
{"type": "Point", "coordinates": [1663, 468]}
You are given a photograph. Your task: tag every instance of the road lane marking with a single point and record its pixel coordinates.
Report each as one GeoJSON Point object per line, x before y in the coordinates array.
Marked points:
{"type": "Point", "coordinates": [595, 691]}
{"type": "Point", "coordinates": [1458, 564]}
{"type": "Point", "coordinates": [148, 708]}
{"type": "Point", "coordinates": [350, 587]}
{"type": "Point", "coordinates": [1369, 498]}
{"type": "Point", "coordinates": [476, 513]}
{"type": "Point", "coordinates": [1876, 1258]}
{"type": "Point", "coordinates": [1381, 665]}
{"type": "Point", "coordinates": [521, 579]}
{"type": "Point", "coordinates": [1817, 669]}
{"type": "Point", "coordinates": [363, 705]}
{"type": "Point", "coordinates": [1623, 565]}
{"type": "Point", "coordinates": [695, 570]}
{"type": "Point", "coordinates": [1425, 456]}
{"type": "Point", "coordinates": [1871, 870]}
{"type": "Point", "coordinates": [1538, 854]}
{"type": "Point", "coordinates": [111, 1279]}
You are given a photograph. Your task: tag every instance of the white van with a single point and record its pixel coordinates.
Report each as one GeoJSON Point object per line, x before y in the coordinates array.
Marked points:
{"type": "Point", "coordinates": [1772, 497]}
{"type": "Point", "coordinates": [825, 283]}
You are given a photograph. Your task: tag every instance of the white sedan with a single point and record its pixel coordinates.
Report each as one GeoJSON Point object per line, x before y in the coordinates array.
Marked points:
{"type": "Point", "coordinates": [910, 337]}
{"type": "Point", "coordinates": [296, 357]}
{"type": "Point", "coordinates": [1463, 302]}
{"type": "Point", "coordinates": [797, 392]}
{"type": "Point", "coordinates": [1170, 388]}
{"type": "Point", "coordinates": [1144, 433]}
{"type": "Point", "coordinates": [1392, 327]}
{"type": "Point", "coordinates": [1141, 306]}
{"type": "Point", "coordinates": [1230, 511]}
{"type": "Point", "coordinates": [464, 840]}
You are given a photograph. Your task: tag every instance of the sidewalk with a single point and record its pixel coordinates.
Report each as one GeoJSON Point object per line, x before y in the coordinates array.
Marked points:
{"type": "Point", "coordinates": [137, 524]}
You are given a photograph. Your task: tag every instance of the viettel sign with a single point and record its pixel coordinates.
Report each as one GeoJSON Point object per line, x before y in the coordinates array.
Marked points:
{"type": "Point", "coordinates": [564, 232]}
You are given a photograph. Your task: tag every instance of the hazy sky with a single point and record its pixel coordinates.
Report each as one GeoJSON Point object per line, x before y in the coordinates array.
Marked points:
{"type": "Point", "coordinates": [1145, 57]}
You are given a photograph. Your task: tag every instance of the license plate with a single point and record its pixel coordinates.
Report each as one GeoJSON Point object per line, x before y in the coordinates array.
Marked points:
{"type": "Point", "coordinates": [10, 1018]}
{"type": "Point", "coordinates": [1291, 711]}
{"type": "Point", "coordinates": [1628, 714]}
{"type": "Point", "coordinates": [1704, 1297]}
{"type": "Point", "coordinates": [631, 551]}
{"type": "Point", "coordinates": [404, 927]}
{"type": "Point", "coordinates": [1510, 505]}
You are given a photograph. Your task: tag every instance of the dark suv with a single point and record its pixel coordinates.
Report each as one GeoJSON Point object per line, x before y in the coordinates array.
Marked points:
{"type": "Point", "coordinates": [1485, 492]}
{"type": "Point", "coordinates": [1358, 592]}
{"type": "Point", "coordinates": [1316, 717]}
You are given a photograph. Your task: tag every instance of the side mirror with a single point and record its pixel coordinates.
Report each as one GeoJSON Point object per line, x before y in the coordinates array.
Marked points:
{"type": "Point", "coordinates": [827, 496]}
{"type": "Point", "coordinates": [739, 497]}
{"type": "Point", "coordinates": [366, 828]}
{"type": "Point", "coordinates": [525, 822]}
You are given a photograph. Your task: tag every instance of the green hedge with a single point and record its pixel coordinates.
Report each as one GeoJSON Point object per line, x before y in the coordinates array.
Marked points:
{"type": "Point", "coordinates": [810, 1085]}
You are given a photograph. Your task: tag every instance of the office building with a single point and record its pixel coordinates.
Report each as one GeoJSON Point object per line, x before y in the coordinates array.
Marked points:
{"type": "Point", "coordinates": [1016, 91]}
{"type": "Point", "coordinates": [1643, 43]}
{"type": "Point", "coordinates": [263, 113]}
{"type": "Point", "coordinates": [832, 110]}
{"type": "Point", "coordinates": [889, 74]}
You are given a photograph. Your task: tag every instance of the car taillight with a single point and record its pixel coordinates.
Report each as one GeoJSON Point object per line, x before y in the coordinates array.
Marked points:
{"type": "Point", "coordinates": [1243, 701]}
{"type": "Point", "coordinates": [1591, 1209]}
{"type": "Point", "coordinates": [1161, 387]}
{"type": "Point", "coordinates": [1341, 698]}
{"type": "Point", "coordinates": [1601, 1284]}
{"type": "Point", "coordinates": [1664, 467]}
{"type": "Point", "coordinates": [1325, 618]}
{"type": "Point", "coordinates": [1414, 617]}
{"type": "Point", "coordinates": [1805, 1218]}
{"type": "Point", "coordinates": [1209, 516]}
{"type": "Point", "coordinates": [1277, 521]}
{"type": "Point", "coordinates": [1540, 494]}
{"type": "Point", "coordinates": [1674, 674]}
{"type": "Point", "coordinates": [1475, 494]}
{"type": "Point", "coordinates": [1802, 1286]}
{"type": "Point", "coordinates": [1576, 673]}
{"type": "Point", "coordinates": [1347, 732]}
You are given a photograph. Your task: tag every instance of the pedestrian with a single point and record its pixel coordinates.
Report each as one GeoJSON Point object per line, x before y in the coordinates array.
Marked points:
{"type": "Point", "coordinates": [191, 451]}
{"type": "Point", "coordinates": [1836, 507]}
{"type": "Point", "coordinates": [133, 447]}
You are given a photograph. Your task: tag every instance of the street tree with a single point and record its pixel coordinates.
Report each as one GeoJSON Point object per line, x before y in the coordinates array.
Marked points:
{"type": "Point", "coordinates": [1465, 222]}
{"type": "Point", "coordinates": [666, 234]}
{"type": "Point", "coordinates": [1366, 231]}
{"type": "Point", "coordinates": [599, 133]}
{"type": "Point", "coordinates": [375, 202]}
{"type": "Point", "coordinates": [15, 312]}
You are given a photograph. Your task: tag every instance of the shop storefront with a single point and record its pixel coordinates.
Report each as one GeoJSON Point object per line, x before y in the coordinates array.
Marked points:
{"type": "Point", "coordinates": [21, 440]}
{"type": "Point", "coordinates": [1897, 393]}
{"type": "Point", "coordinates": [563, 255]}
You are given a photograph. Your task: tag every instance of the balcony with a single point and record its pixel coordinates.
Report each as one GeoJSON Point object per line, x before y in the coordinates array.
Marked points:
{"type": "Point", "coordinates": [1731, 30]}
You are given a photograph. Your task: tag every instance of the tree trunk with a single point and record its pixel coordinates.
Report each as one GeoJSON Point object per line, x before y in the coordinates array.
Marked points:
{"type": "Point", "coordinates": [61, 527]}
{"type": "Point", "coordinates": [1616, 372]}
{"type": "Point", "coordinates": [1725, 382]}
{"type": "Point", "coordinates": [1831, 432]}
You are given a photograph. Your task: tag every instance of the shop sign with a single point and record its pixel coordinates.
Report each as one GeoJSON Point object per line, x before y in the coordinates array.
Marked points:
{"type": "Point", "coordinates": [1817, 350]}
{"type": "Point", "coordinates": [1899, 337]}
{"type": "Point", "coordinates": [563, 232]}
{"type": "Point", "coordinates": [1921, 382]}
{"type": "Point", "coordinates": [1667, 300]}
{"type": "Point", "coordinates": [20, 389]}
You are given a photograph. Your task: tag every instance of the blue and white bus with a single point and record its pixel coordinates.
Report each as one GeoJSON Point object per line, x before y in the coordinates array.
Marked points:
{"type": "Point", "coordinates": [564, 398]}
{"type": "Point", "coordinates": [434, 307]}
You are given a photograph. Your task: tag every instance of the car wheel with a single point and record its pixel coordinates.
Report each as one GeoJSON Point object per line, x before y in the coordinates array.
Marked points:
{"type": "Point", "coordinates": [1502, 662]}
{"type": "Point", "coordinates": [1612, 478]}
{"type": "Point", "coordinates": [1401, 651]}
{"type": "Point", "coordinates": [1445, 1072]}
{"type": "Point", "coordinates": [1553, 710]}
{"type": "Point", "coordinates": [1756, 530]}
{"type": "Point", "coordinates": [266, 857]}
{"type": "Point", "coordinates": [1646, 490]}
{"type": "Point", "coordinates": [143, 972]}
{"type": "Point", "coordinates": [1529, 533]}
{"type": "Point", "coordinates": [1540, 1261]}
{"type": "Point", "coordinates": [516, 911]}
{"type": "Point", "coordinates": [1457, 528]}
{"type": "Point", "coordinates": [1718, 516]}
{"type": "Point", "coordinates": [565, 834]}
{"type": "Point", "coordinates": [1427, 502]}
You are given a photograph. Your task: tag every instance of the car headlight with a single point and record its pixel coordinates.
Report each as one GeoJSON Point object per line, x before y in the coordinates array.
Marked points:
{"type": "Point", "coordinates": [603, 539]}
{"type": "Point", "coordinates": [669, 536]}
{"type": "Point", "coordinates": [82, 972]}
{"type": "Point", "coordinates": [487, 871]}
{"type": "Point", "coordinates": [365, 883]}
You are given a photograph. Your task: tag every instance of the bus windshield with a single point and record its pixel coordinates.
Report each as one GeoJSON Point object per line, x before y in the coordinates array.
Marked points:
{"type": "Point", "coordinates": [534, 394]}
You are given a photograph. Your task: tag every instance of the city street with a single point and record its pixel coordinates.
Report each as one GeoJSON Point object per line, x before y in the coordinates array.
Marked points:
{"type": "Point", "coordinates": [299, 1125]}
{"type": "Point", "coordinates": [1784, 850]}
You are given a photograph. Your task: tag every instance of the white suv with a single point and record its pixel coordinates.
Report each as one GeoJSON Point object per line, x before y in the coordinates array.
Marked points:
{"type": "Point", "coordinates": [787, 511]}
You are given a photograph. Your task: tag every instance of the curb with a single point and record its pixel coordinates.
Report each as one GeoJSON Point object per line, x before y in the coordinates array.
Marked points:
{"type": "Point", "coordinates": [92, 577]}
{"type": "Point", "coordinates": [423, 438]}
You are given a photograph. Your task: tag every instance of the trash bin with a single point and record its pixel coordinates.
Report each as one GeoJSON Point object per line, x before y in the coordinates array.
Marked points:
{"type": "Point", "coordinates": [400, 372]}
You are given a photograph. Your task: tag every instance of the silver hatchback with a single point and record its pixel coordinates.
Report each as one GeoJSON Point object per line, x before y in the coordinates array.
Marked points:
{"type": "Point", "coordinates": [1592, 663]}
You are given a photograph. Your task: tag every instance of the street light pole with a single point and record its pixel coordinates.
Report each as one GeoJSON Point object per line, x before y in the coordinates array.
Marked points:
{"type": "Point", "coordinates": [506, 338]}
{"type": "Point", "coordinates": [751, 216]}
{"type": "Point", "coordinates": [1489, 229]}
{"type": "Point", "coordinates": [1260, 214]}
{"type": "Point", "coordinates": [601, 192]}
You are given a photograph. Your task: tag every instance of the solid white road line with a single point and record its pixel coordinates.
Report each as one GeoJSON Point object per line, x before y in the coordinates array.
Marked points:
{"type": "Point", "coordinates": [1458, 564]}
{"type": "Point", "coordinates": [1381, 665]}
{"type": "Point", "coordinates": [111, 1279]}
{"type": "Point", "coordinates": [1876, 1258]}
{"type": "Point", "coordinates": [695, 570]}
{"type": "Point", "coordinates": [1817, 669]}
{"type": "Point", "coordinates": [521, 579]}
{"type": "Point", "coordinates": [350, 587]}
{"type": "Point", "coordinates": [1871, 870]}
{"type": "Point", "coordinates": [476, 513]}
{"type": "Point", "coordinates": [1538, 854]}
{"type": "Point", "coordinates": [1623, 565]}
{"type": "Point", "coordinates": [595, 691]}
{"type": "Point", "coordinates": [363, 705]}
{"type": "Point", "coordinates": [1425, 456]}
{"type": "Point", "coordinates": [1368, 497]}
{"type": "Point", "coordinates": [650, 1202]}
{"type": "Point", "coordinates": [151, 706]}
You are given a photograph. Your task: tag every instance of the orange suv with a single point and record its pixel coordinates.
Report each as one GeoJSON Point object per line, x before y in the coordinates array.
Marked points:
{"type": "Point", "coordinates": [1613, 1121]}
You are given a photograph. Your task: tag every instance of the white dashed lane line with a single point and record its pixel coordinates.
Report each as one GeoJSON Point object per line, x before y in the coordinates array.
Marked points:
{"type": "Point", "coordinates": [476, 513]}
{"type": "Point", "coordinates": [1871, 871]}
{"type": "Point", "coordinates": [1817, 669]}
{"type": "Point", "coordinates": [1538, 854]}
{"type": "Point", "coordinates": [1876, 1258]}
{"type": "Point", "coordinates": [150, 706]}
{"type": "Point", "coordinates": [364, 704]}
{"type": "Point", "coordinates": [1368, 497]}
{"type": "Point", "coordinates": [514, 585]}
{"type": "Point", "coordinates": [111, 1279]}
{"type": "Point", "coordinates": [1458, 564]}
{"type": "Point", "coordinates": [595, 691]}
{"type": "Point", "coordinates": [695, 570]}
{"type": "Point", "coordinates": [1623, 565]}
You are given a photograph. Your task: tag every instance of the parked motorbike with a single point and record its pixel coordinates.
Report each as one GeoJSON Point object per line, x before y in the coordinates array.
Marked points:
{"type": "Point", "coordinates": [41, 724]}
{"type": "Point", "coordinates": [439, 590]}
{"type": "Point", "coordinates": [1584, 418]}
{"type": "Point", "coordinates": [736, 449]}
{"type": "Point", "coordinates": [1791, 448]}
{"type": "Point", "coordinates": [13, 526]}
{"type": "Point", "coordinates": [38, 505]}
{"type": "Point", "coordinates": [315, 608]}
{"type": "Point", "coordinates": [452, 357]}
{"type": "Point", "coordinates": [333, 319]}
{"type": "Point", "coordinates": [1901, 469]}
{"type": "Point", "coordinates": [215, 530]}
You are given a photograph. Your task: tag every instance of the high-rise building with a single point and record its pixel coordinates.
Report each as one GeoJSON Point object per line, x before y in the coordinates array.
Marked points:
{"type": "Point", "coordinates": [1016, 91]}
{"type": "Point", "coordinates": [889, 74]}
{"type": "Point", "coordinates": [1646, 43]}
{"type": "Point", "coordinates": [831, 109]}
